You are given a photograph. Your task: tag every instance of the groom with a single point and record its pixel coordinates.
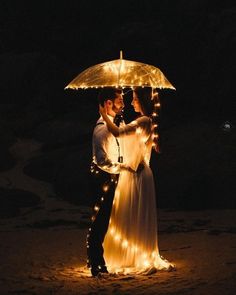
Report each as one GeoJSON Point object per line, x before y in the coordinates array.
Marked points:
{"type": "Point", "coordinates": [105, 168]}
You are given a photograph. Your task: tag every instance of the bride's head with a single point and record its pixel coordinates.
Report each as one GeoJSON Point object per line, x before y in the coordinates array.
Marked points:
{"type": "Point", "coordinates": [142, 101]}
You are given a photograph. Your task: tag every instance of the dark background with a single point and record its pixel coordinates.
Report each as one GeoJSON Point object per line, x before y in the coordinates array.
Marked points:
{"type": "Point", "coordinates": [45, 44]}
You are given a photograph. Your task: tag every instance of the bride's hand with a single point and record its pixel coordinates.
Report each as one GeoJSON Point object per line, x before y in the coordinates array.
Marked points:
{"type": "Point", "coordinates": [102, 110]}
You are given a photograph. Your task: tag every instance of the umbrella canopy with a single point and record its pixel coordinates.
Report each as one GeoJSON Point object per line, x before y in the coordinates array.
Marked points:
{"type": "Point", "coordinates": [120, 73]}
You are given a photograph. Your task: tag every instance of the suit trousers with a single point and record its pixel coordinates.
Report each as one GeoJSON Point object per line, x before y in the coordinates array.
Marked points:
{"type": "Point", "coordinates": [103, 185]}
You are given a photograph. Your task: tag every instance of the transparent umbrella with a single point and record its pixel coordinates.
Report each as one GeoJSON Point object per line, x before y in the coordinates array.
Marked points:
{"type": "Point", "coordinates": [120, 73]}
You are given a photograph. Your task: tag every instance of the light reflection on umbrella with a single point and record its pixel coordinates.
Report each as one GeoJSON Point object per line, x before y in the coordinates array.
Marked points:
{"type": "Point", "coordinates": [120, 73]}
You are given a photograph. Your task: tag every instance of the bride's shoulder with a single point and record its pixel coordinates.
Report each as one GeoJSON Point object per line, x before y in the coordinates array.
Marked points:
{"type": "Point", "coordinates": [143, 120]}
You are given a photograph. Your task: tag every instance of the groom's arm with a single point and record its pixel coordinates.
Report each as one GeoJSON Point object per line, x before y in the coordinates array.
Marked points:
{"type": "Point", "coordinates": [101, 158]}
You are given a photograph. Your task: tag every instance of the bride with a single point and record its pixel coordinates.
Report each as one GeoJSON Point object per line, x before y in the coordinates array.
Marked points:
{"type": "Point", "coordinates": [131, 244]}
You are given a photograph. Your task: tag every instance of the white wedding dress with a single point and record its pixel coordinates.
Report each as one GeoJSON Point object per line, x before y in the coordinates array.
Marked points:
{"type": "Point", "coordinates": [131, 244]}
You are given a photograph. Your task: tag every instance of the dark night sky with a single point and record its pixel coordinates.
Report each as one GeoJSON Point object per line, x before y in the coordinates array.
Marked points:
{"type": "Point", "coordinates": [45, 44]}
{"type": "Point", "coordinates": [186, 39]}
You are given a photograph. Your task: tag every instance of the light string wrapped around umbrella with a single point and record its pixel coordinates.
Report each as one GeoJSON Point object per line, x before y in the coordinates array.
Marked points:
{"type": "Point", "coordinates": [123, 73]}
{"type": "Point", "coordinates": [120, 73]}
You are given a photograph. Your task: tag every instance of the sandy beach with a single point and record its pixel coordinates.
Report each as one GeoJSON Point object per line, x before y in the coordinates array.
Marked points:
{"type": "Point", "coordinates": [43, 245]}
{"type": "Point", "coordinates": [44, 252]}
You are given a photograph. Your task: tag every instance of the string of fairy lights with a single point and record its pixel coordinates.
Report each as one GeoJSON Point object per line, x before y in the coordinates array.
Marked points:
{"type": "Point", "coordinates": [145, 258]}
{"type": "Point", "coordinates": [124, 242]}
{"type": "Point", "coordinates": [105, 188]}
{"type": "Point", "coordinates": [155, 121]}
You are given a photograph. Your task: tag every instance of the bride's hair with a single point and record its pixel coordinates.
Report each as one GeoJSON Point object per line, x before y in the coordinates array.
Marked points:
{"type": "Point", "coordinates": [145, 99]}
{"type": "Point", "coordinates": [150, 104]}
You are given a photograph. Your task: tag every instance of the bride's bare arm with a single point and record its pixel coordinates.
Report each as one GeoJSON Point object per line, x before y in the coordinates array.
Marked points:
{"type": "Point", "coordinates": [110, 125]}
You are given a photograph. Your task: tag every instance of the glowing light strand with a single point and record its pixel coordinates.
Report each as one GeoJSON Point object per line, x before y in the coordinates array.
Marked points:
{"type": "Point", "coordinates": [135, 248]}
{"type": "Point", "coordinates": [105, 187]}
{"type": "Point", "coordinates": [155, 123]}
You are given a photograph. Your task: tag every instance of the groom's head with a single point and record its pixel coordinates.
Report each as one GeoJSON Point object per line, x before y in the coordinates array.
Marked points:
{"type": "Point", "coordinates": [112, 99]}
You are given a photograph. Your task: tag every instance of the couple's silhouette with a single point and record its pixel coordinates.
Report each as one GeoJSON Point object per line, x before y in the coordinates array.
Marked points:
{"type": "Point", "coordinates": [123, 233]}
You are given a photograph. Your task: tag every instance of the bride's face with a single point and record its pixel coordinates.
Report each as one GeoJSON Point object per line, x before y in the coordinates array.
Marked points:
{"type": "Point", "coordinates": [135, 103]}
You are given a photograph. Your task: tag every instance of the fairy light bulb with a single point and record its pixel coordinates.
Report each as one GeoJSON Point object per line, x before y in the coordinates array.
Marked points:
{"type": "Point", "coordinates": [144, 255]}
{"type": "Point", "coordinates": [135, 248]}
{"type": "Point", "coordinates": [154, 254]}
{"type": "Point", "coordinates": [146, 263]}
{"type": "Point", "coordinates": [154, 136]}
{"type": "Point", "coordinates": [105, 188]}
{"type": "Point", "coordinates": [112, 230]}
{"type": "Point", "coordinates": [125, 244]}
{"type": "Point", "coordinates": [117, 238]}
{"type": "Point", "coordinates": [96, 208]}
{"type": "Point", "coordinates": [143, 139]}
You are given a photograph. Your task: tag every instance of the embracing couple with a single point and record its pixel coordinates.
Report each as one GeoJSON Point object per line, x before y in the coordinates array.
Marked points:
{"type": "Point", "coordinates": [123, 234]}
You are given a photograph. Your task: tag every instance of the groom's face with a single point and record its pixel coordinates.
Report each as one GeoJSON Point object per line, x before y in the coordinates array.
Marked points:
{"type": "Point", "coordinates": [118, 103]}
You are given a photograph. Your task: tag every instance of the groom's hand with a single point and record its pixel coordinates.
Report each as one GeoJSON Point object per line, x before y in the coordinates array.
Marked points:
{"type": "Point", "coordinates": [126, 167]}
{"type": "Point", "coordinates": [140, 168]}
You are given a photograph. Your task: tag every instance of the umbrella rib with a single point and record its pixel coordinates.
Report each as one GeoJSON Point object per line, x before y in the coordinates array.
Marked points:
{"type": "Point", "coordinates": [148, 74]}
